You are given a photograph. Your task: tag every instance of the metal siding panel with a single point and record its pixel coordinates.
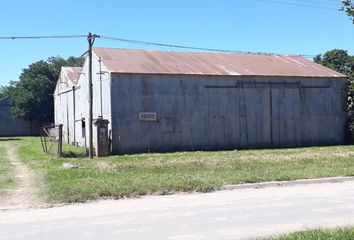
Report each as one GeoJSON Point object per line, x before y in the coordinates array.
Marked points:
{"type": "Point", "coordinates": [194, 117]}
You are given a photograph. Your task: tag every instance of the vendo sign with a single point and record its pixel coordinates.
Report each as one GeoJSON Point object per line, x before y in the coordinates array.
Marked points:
{"type": "Point", "coordinates": [148, 116]}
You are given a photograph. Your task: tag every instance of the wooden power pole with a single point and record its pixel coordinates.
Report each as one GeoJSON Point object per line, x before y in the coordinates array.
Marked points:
{"type": "Point", "coordinates": [91, 39]}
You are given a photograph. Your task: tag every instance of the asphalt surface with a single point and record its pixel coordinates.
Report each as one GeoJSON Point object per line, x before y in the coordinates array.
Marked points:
{"type": "Point", "coordinates": [232, 214]}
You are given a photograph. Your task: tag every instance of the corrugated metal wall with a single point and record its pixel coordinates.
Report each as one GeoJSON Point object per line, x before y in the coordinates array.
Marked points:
{"type": "Point", "coordinates": [9, 126]}
{"type": "Point", "coordinates": [81, 99]}
{"type": "Point", "coordinates": [63, 111]}
{"type": "Point", "coordinates": [218, 112]}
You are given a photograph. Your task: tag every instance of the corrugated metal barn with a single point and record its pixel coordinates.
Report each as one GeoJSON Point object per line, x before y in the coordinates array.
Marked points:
{"type": "Point", "coordinates": [160, 101]}
{"type": "Point", "coordinates": [65, 101]}
{"type": "Point", "coordinates": [10, 126]}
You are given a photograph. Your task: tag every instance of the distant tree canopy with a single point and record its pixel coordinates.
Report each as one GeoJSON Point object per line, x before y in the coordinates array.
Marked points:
{"type": "Point", "coordinates": [32, 95]}
{"type": "Point", "coordinates": [339, 60]}
{"type": "Point", "coordinates": [3, 92]}
{"type": "Point", "coordinates": [348, 7]}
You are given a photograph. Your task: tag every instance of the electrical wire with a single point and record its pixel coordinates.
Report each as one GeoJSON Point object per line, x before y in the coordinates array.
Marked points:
{"type": "Point", "coordinates": [297, 5]}
{"type": "Point", "coordinates": [138, 42]}
{"type": "Point", "coordinates": [43, 37]}
{"type": "Point", "coordinates": [333, 1]}
{"type": "Point", "coordinates": [321, 2]}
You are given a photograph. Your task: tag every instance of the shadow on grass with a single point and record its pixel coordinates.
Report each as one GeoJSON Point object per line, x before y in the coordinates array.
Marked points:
{"type": "Point", "coordinates": [71, 154]}
{"type": "Point", "coordinates": [9, 139]}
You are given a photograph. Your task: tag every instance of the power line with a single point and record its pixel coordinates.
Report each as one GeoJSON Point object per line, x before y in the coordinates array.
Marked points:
{"type": "Point", "coordinates": [146, 43]}
{"type": "Point", "coordinates": [43, 37]}
{"type": "Point", "coordinates": [139, 42]}
{"type": "Point", "coordinates": [297, 5]}
{"type": "Point", "coordinates": [333, 1]}
{"type": "Point", "coordinates": [321, 2]}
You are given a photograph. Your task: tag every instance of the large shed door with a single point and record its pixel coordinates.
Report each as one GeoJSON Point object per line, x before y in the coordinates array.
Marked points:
{"type": "Point", "coordinates": [285, 115]}
{"type": "Point", "coordinates": [269, 114]}
{"type": "Point", "coordinates": [254, 115]}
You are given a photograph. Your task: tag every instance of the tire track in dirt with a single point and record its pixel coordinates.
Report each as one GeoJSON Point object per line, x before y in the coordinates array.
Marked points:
{"type": "Point", "coordinates": [25, 194]}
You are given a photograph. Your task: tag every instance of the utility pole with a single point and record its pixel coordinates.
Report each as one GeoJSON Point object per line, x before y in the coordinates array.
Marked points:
{"type": "Point", "coordinates": [91, 39]}
{"type": "Point", "coordinates": [100, 73]}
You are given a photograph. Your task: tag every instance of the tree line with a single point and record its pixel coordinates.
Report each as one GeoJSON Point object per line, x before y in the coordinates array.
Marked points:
{"type": "Point", "coordinates": [32, 95]}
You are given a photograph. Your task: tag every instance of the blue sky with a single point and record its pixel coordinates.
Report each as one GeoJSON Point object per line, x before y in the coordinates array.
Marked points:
{"type": "Point", "coordinates": [247, 25]}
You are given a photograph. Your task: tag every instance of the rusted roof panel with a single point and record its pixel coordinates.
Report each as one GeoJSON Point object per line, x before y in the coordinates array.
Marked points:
{"type": "Point", "coordinates": [70, 75]}
{"type": "Point", "coordinates": [201, 63]}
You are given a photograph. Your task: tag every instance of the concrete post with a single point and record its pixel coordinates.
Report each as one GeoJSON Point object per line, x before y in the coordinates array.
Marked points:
{"type": "Point", "coordinates": [102, 142]}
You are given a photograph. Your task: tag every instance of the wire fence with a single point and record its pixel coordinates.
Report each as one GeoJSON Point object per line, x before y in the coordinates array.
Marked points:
{"type": "Point", "coordinates": [52, 140]}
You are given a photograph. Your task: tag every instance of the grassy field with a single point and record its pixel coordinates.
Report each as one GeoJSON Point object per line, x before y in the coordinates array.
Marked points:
{"type": "Point", "coordinates": [134, 175]}
{"type": "Point", "coordinates": [337, 234]}
{"type": "Point", "coordinates": [7, 179]}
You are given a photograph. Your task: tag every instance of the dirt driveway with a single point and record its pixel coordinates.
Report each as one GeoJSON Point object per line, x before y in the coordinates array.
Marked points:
{"type": "Point", "coordinates": [25, 195]}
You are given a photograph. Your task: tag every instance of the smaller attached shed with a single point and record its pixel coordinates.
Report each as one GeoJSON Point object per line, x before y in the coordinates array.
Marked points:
{"type": "Point", "coordinates": [64, 101]}
{"type": "Point", "coordinates": [11, 126]}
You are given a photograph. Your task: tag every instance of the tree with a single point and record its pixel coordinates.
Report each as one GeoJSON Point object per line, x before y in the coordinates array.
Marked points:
{"type": "Point", "coordinates": [337, 59]}
{"type": "Point", "coordinates": [5, 91]}
{"type": "Point", "coordinates": [32, 95]}
{"type": "Point", "coordinates": [348, 7]}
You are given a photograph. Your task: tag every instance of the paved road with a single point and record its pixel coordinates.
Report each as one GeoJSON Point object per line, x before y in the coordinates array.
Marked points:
{"type": "Point", "coordinates": [236, 214]}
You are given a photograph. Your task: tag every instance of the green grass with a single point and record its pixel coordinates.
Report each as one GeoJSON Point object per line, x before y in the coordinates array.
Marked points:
{"type": "Point", "coordinates": [70, 151]}
{"type": "Point", "coordinates": [134, 175]}
{"type": "Point", "coordinates": [337, 234]}
{"type": "Point", "coordinates": [7, 179]}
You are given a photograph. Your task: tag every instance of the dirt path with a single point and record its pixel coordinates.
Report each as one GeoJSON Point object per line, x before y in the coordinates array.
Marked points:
{"type": "Point", "coordinates": [25, 194]}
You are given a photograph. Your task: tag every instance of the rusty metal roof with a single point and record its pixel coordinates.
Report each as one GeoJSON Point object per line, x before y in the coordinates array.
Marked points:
{"type": "Point", "coordinates": [202, 63]}
{"type": "Point", "coordinates": [70, 75]}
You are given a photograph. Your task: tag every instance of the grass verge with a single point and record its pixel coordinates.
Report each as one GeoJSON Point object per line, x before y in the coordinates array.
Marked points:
{"type": "Point", "coordinates": [337, 234]}
{"type": "Point", "coordinates": [7, 179]}
{"type": "Point", "coordinates": [133, 175]}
